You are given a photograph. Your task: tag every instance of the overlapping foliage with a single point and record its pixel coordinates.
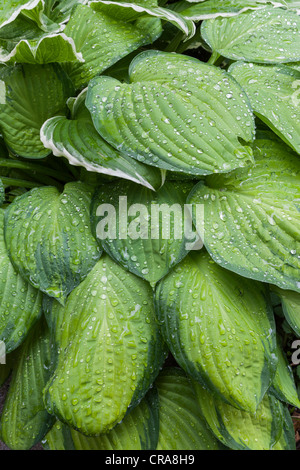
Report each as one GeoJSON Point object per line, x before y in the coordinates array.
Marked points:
{"type": "Point", "coordinates": [149, 343]}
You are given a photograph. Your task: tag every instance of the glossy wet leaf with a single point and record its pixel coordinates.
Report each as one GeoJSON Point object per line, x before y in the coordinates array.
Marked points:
{"type": "Point", "coordinates": [137, 431]}
{"type": "Point", "coordinates": [30, 94]}
{"type": "Point", "coordinates": [20, 303]}
{"type": "Point", "coordinates": [49, 239]}
{"type": "Point", "coordinates": [181, 426]}
{"type": "Point", "coordinates": [77, 140]}
{"type": "Point", "coordinates": [146, 237]}
{"type": "Point", "coordinates": [283, 386]}
{"type": "Point", "coordinates": [274, 96]}
{"type": "Point", "coordinates": [290, 302]}
{"type": "Point", "coordinates": [24, 420]}
{"type": "Point", "coordinates": [238, 429]}
{"type": "Point", "coordinates": [287, 438]}
{"type": "Point", "coordinates": [11, 9]}
{"type": "Point", "coordinates": [219, 328]}
{"type": "Point", "coordinates": [177, 113]}
{"type": "Point", "coordinates": [251, 216]}
{"type": "Point", "coordinates": [48, 48]}
{"type": "Point", "coordinates": [135, 10]}
{"type": "Point", "coordinates": [250, 36]}
{"type": "Point", "coordinates": [110, 350]}
{"type": "Point", "coordinates": [102, 40]}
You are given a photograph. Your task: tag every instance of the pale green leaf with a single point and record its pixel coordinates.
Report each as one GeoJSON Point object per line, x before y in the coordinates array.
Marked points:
{"type": "Point", "coordinates": [238, 429]}
{"type": "Point", "coordinates": [110, 351]}
{"type": "Point", "coordinates": [49, 239]}
{"type": "Point", "coordinates": [274, 96]}
{"type": "Point", "coordinates": [251, 216]}
{"type": "Point", "coordinates": [250, 36]}
{"type": "Point", "coordinates": [219, 328]}
{"type": "Point", "coordinates": [181, 426]}
{"type": "Point", "coordinates": [77, 140]}
{"type": "Point", "coordinates": [177, 113]}
{"type": "Point", "coordinates": [147, 237]}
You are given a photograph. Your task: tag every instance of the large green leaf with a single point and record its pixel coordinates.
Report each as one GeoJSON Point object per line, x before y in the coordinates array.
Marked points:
{"type": "Point", "coordinates": [287, 438]}
{"type": "Point", "coordinates": [49, 239]}
{"type": "Point", "coordinates": [250, 36]}
{"type": "Point", "coordinates": [110, 350]}
{"type": "Point", "coordinates": [134, 10]}
{"type": "Point", "coordinates": [181, 426]}
{"type": "Point", "coordinates": [147, 237]}
{"type": "Point", "coordinates": [274, 95]}
{"type": "Point", "coordinates": [137, 431]}
{"type": "Point", "coordinates": [220, 329]}
{"type": "Point", "coordinates": [48, 48]}
{"type": "Point", "coordinates": [103, 40]}
{"type": "Point", "coordinates": [20, 303]}
{"type": "Point", "coordinates": [24, 420]}
{"type": "Point", "coordinates": [11, 9]}
{"type": "Point", "coordinates": [177, 113]}
{"type": "Point", "coordinates": [30, 95]}
{"type": "Point", "coordinates": [240, 430]}
{"type": "Point", "coordinates": [251, 216]}
{"type": "Point", "coordinates": [283, 386]}
{"type": "Point", "coordinates": [77, 140]}
{"type": "Point", "coordinates": [198, 11]}
{"type": "Point", "coordinates": [290, 301]}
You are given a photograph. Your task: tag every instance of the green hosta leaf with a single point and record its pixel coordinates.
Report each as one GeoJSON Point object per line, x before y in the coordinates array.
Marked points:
{"type": "Point", "coordinates": [11, 9]}
{"type": "Point", "coordinates": [131, 11]}
{"type": "Point", "coordinates": [214, 8]}
{"type": "Point", "coordinates": [49, 239]}
{"type": "Point", "coordinates": [20, 303]}
{"type": "Point", "coordinates": [219, 328]}
{"type": "Point", "coordinates": [250, 36]}
{"type": "Point", "coordinates": [77, 140]}
{"type": "Point", "coordinates": [48, 48]}
{"type": "Point", "coordinates": [291, 307]}
{"type": "Point", "coordinates": [177, 113]}
{"type": "Point", "coordinates": [287, 438]}
{"type": "Point", "coordinates": [147, 237]}
{"type": "Point", "coordinates": [240, 430]}
{"type": "Point", "coordinates": [181, 426]}
{"type": "Point", "coordinates": [251, 216]}
{"type": "Point", "coordinates": [24, 420]}
{"type": "Point", "coordinates": [137, 431]}
{"type": "Point", "coordinates": [283, 386]}
{"type": "Point", "coordinates": [110, 351]}
{"type": "Point", "coordinates": [102, 40]}
{"type": "Point", "coordinates": [274, 96]}
{"type": "Point", "coordinates": [30, 94]}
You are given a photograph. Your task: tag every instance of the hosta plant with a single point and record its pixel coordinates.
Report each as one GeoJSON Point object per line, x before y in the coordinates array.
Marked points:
{"type": "Point", "coordinates": [149, 224]}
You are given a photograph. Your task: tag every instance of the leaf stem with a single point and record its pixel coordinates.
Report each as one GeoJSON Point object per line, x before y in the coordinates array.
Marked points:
{"type": "Point", "coordinates": [33, 167]}
{"type": "Point", "coordinates": [213, 58]}
{"type": "Point", "coordinates": [18, 182]}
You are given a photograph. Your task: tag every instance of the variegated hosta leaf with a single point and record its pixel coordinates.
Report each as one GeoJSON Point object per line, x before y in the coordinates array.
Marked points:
{"type": "Point", "coordinates": [77, 140]}
{"type": "Point", "coordinates": [251, 216]}
{"type": "Point", "coordinates": [177, 113]}
{"type": "Point", "coordinates": [49, 239]}
{"type": "Point", "coordinates": [287, 438]}
{"type": "Point", "coordinates": [181, 425]}
{"type": "Point", "coordinates": [24, 420]}
{"type": "Point", "coordinates": [48, 48]}
{"type": "Point", "coordinates": [138, 431]}
{"type": "Point", "coordinates": [30, 94]}
{"type": "Point", "coordinates": [274, 95]}
{"type": "Point", "coordinates": [11, 9]}
{"type": "Point", "coordinates": [134, 10]}
{"type": "Point", "coordinates": [102, 40]}
{"type": "Point", "coordinates": [198, 11]}
{"type": "Point", "coordinates": [283, 386]}
{"type": "Point", "coordinates": [20, 303]}
{"type": "Point", "coordinates": [250, 36]}
{"type": "Point", "coordinates": [147, 237]}
{"type": "Point", "coordinates": [238, 429]}
{"type": "Point", "coordinates": [110, 350]}
{"type": "Point", "coordinates": [220, 329]}
{"type": "Point", "coordinates": [290, 302]}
